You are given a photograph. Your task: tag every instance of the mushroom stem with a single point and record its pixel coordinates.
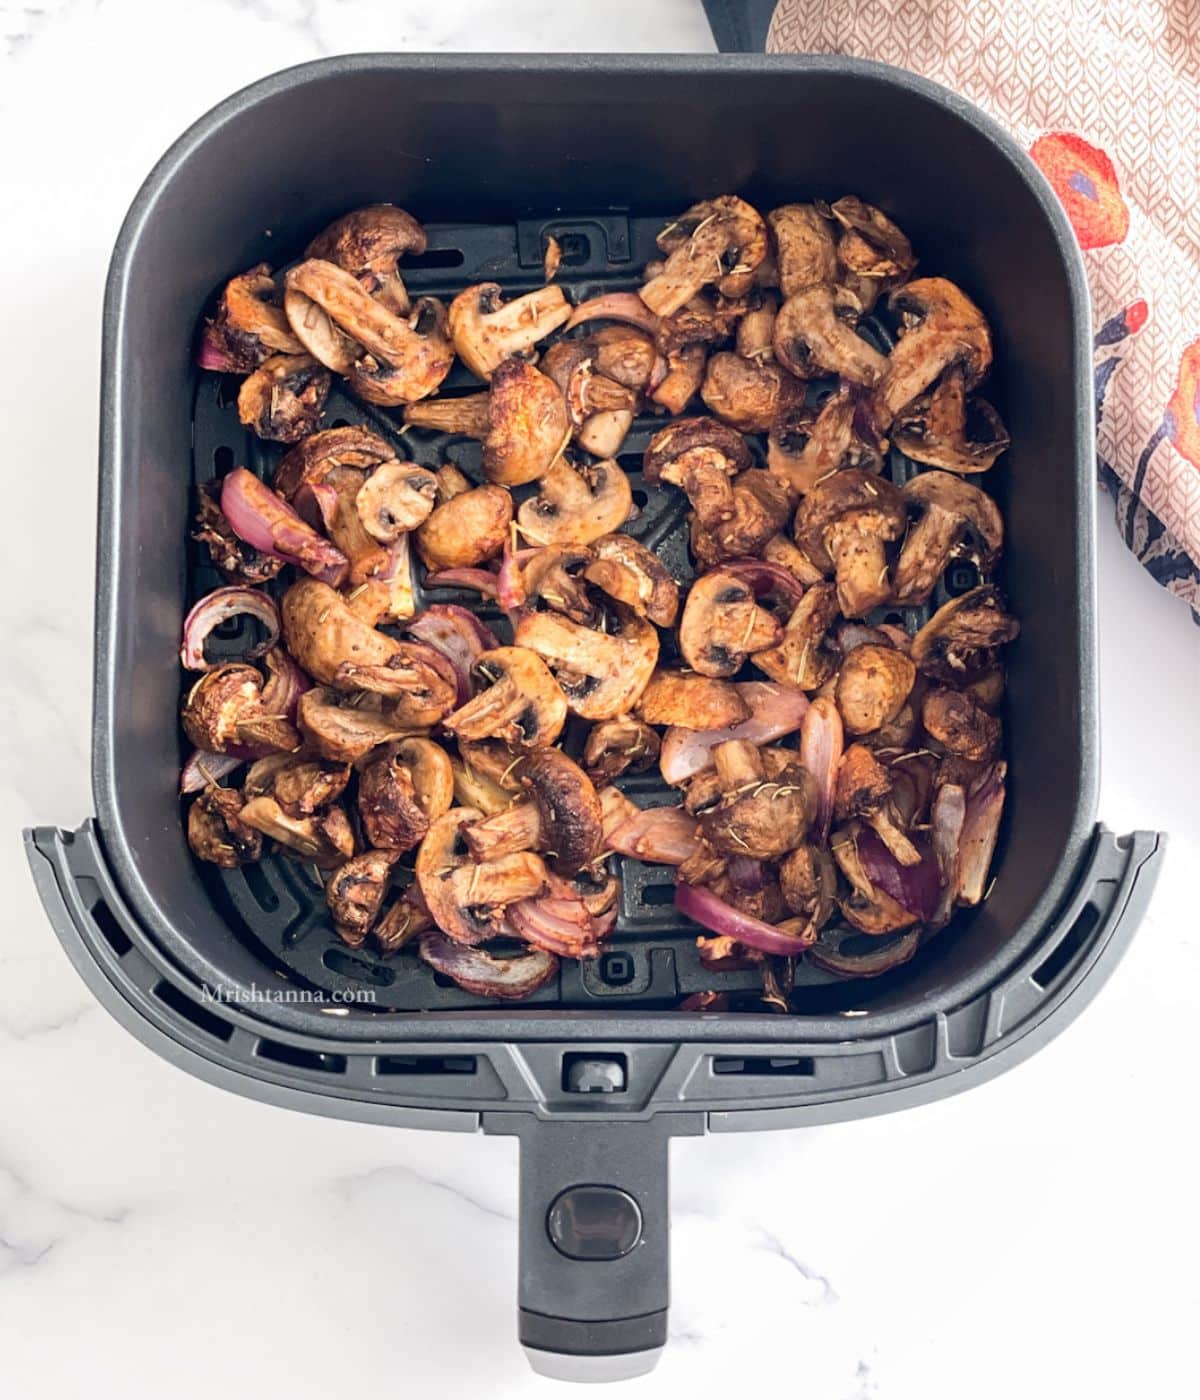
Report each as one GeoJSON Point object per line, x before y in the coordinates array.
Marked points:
{"type": "Point", "coordinates": [469, 415]}
{"type": "Point", "coordinates": [517, 829]}
{"type": "Point", "coordinates": [860, 563]}
{"type": "Point", "coordinates": [492, 884]}
{"type": "Point", "coordinates": [738, 762]}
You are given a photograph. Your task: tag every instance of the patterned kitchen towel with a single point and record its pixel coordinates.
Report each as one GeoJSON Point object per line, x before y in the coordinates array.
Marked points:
{"type": "Point", "coordinates": [1105, 95]}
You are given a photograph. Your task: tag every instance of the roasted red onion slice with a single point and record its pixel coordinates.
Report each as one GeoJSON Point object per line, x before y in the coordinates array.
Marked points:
{"type": "Point", "coordinates": [481, 580]}
{"type": "Point", "coordinates": [658, 836]}
{"type": "Point", "coordinates": [821, 741]}
{"type": "Point", "coordinates": [704, 908]}
{"type": "Point", "coordinates": [627, 307]}
{"type": "Point", "coordinates": [766, 578]}
{"type": "Point", "coordinates": [560, 926]}
{"type": "Point", "coordinates": [510, 583]}
{"type": "Point", "coordinates": [316, 502]}
{"type": "Point", "coordinates": [202, 769]}
{"type": "Point", "coordinates": [849, 953]}
{"type": "Point", "coordinates": [213, 354]}
{"type": "Point", "coordinates": [286, 683]}
{"type": "Point", "coordinates": [776, 710]}
{"type": "Point", "coordinates": [981, 825]}
{"type": "Point", "coordinates": [459, 635]}
{"type": "Point", "coordinates": [946, 824]}
{"type": "Point", "coordinates": [217, 607]}
{"type": "Point", "coordinates": [746, 874]}
{"type": "Point", "coordinates": [914, 887]}
{"type": "Point", "coordinates": [486, 975]}
{"type": "Point", "coordinates": [261, 518]}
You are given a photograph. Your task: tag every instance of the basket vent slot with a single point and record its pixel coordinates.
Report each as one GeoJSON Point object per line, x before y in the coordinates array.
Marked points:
{"type": "Point", "coordinates": [192, 1011]}
{"type": "Point", "coordinates": [260, 887]}
{"type": "Point", "coordinates": [781, 1066]}
{"type": "Point", "coordinates": [1073, 940]}
{"type": "Point", "coordinates": [427, 1064]}
{"type": "Point", "coordinates": [300, 1058]}
{"type": "Point", "coordinates": [340, 961]}
{"type": "Point", "coordinates": [114, 935]}
{"type": "Point", "coordinates": [436, 257]}
{"type": "Point", "coordinates": [658, 894]}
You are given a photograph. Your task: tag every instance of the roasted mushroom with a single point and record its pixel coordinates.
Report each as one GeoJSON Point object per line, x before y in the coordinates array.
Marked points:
{"type": "Point", "coordinates": [757, 817]}
{"type": "Point", "coordinates": [355, 891]}
{"type": "Point", "coordinates": [224, 713]}
{"type": "Point", "coordinates": [692, 701]}
{"type": "Point", "coordinates": [522, 704]}
{"type": "Point", "coordinates": [283, 399]}
{"type": "Point", "coordinates": [324, 839]}
{"type": "Point", "coordinates": [343, 728]}
{"type": "Point", "coordinates": [800, 658]}
{"type": "Point", "coordinates": [946, 429]}
{"type": "Point", "coordinates": [521, 420]}
{"type": "Point", "coordinates": [600, 408]}
{"type": "Point", "coordinates": [238, 561]}
{"type": "Point", "coordinates": [467, 528]}
{"type": "Point", "coordinates": [956, 518]}
{"type": "Point", "coordinates": [487, 330]}
{"type": "Point", "coordinates": [870, 245]}
{"type": "Point", "coordinates": [395, 498]}
{"type": "Point", "coordinates": [720, 240]}
{"type": "Point", "coordinates": [322, 633]}
{"type": "Point", "coordinates": [957, 721]}
{"type": "Point", "coordinates": [300, 784]}
{"type": "Point", "coordinates": [842, 525]}
{"type": "Point", "coordinates": [680, 384]}
{"type": "Point", "coordinates": [756, 330]}
{"type": "Point", "coordinates": [602, 674]}
{"type": "Point", "coordinates": [392, 817]}
{"type": "Point", "coordinates": [864, 789]}
{"type": "Point", "coordinates": [805, 449]}
{"type": "Point", "coordinates": [749, 395]}
{"type": "Point", "coordinates": [467, 899]}
{"type": "Point", "coordinates": [722, 625]}
{"type": "Point", "coordinates": [942, 328]}
{"type": "Point", "coordinates": [628, 572]}
{"type": "Point", "coordinates": [249, 325]}
{"type": "Point", "coordinates": [808, 883]}
{"type": "Point", "coordinates": [576, 506]}
{"type": "Point", "coordinates": [959, 640]}
{"type": "Point", "coordinates": [216, 833]}
{"type": "Point", "coordinates": [811, 340]}
{"type": "Point", "coordinates": [368, 243]}
{"type": "Point", "coordinates": [868, 907]}
{"type": "Point", "coordinates": [419, 681]}
{"type": "Point", "coordinates": [617, 746]}
{"type": "Point", "coordinates": [872, 685]}
{"type": "Point", "coordinates": [804, 248]}
{"type": "Point", "coordinates": [566, 800]}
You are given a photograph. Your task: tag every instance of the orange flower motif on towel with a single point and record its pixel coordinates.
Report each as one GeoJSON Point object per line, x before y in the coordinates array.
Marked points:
{"type": "Point", "coordinates": [1183, 407]}
{"type": "Point", "coordinates": [1084, 179]}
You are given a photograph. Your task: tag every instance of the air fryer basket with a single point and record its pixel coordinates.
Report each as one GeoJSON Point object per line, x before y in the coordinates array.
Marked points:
{"type": "Point", "coordinates": [502, 152]}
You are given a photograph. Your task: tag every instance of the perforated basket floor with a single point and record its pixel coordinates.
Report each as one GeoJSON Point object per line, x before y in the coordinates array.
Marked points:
{"type": "Point", "coordinates": [277, 905]}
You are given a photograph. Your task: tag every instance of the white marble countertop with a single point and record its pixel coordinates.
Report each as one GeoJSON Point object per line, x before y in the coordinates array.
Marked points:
{"type": "Point", "coordinates": [1035, 1237]}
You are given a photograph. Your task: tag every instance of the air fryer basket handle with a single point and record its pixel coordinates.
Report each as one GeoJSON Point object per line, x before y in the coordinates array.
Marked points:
{"type": "Point", "coordinates": [594, 1242]}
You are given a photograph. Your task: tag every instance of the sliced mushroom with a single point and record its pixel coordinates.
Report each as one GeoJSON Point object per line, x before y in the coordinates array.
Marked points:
{"type": "Point", "coordinates": [324, 839]}
{"type": "Point", "coordinates": [685, 371]}
{"type": "Point", "coordinates": [870, 244]}
{"type": "Point", "coordinates": [368, 243]}
{"type": "Point", "coordinates": [628, 572]}
{"type": "Point", "coordinates": [722, 625]}
{"type": "Point", "coordinates": [249, 325]}
{"type": "Point", "coordinates": [692, 701]}
{"type": "Point", "coordinates": [804, 449]}
{"type": "Point", "coordinates": [957, 721]}
{"type": "Point", "coordinates": [223, 713]}
{"type": "Point", "coordinates": [959, 640]}
{"type": "Point", "coordinates": [869, 908]}
{"type": "Point", "coordinates": [626, 355]}
{"type": "Point", "coordinates": [310, 461]}
{"type": "Point", "coordinates": [756, 329]}
{"type": "Point", "coordinates": [387, 596]}
{"type": "Point", "coordinates": [522, 705]}
{"type": "Point", "coordinates": [521, 420]}
{"type": "Point", "coordinates": [692, 446]}
{"type": "Point", "coordinates": [420, 683]}
{"type": "Point", "coordinates": [402, 921]}
{"type": "Point", "coordinates": [332, 505]}
{"type": "Point", "coordinates": [749, 395]}
{"type": "Point", "coordinates": [602, 674]}
{"type": "Point", "coordinates": [283, 399]}
{"type": "Point", "coordinates": [842, 525]}
{"type": "Point", "coordinates": [811, 340]}
{"type": "Point", "coordinates": [216, 832]}
{"type": "Point", "coordinates": [300, 785]}
{"type": "Point", "coordinates": [956, 518]}
{"type": "Point", "coordinates": [392, 817]}
{"type": "Point", "coordinates": [872, 686]}
{"type": "Point", "coordinates": [395, 498]}
{"type": "Point", "coordinates": [466, 529]}
{"type": "Point", "coordinates": [942, 328]}
{"type": "Point", "coordinates": [554, 577]}
{"type": "Point", "coordinates": [473, 788]}
{"type": "Point", "coordinates": [780, 550]}
{"type": "Point", "coordinates": [617, 746]}
{"type": "Point", "coordinates": [355, 891]}
{"type": "Point", "coordinates": [804, 248]}
{"type": "Point", "coordinates": [322, 633]}
{"type": "Point", "coordinates": [720, 240]}
{"type": "Point", "coordinates": [800, 658]}
{"type": "Point", "coordinates": [588, 392]}
{"type": "Point", "coordinates": [344, 728]}
{"type": "Point", "coordinates": [847, 952]}
{"type": "Point", "coordinates": [864, 789]}
{"type": "Point", "coordinates": [757, 817]}
{"type": "Point", "coordinates": [465, 899]}
{"type": "Point", "coordinates": [487, 330]}
{"type": "Point", "coordinates": [946, 429]}
{"type": "Point", "coordinates": [808, 883]}
{"type": "Point", "coordinates": [575, 507]}
{"type": "Point", "coordinates": [568, 807]}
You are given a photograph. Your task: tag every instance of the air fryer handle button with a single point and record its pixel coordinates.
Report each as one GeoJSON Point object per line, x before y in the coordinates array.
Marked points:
{"type": "Point", "coordinates": [594, 1222]}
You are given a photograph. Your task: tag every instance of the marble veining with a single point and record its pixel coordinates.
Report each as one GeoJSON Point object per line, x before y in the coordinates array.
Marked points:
{"type": "Point", "coordinates": [1034, 1237]}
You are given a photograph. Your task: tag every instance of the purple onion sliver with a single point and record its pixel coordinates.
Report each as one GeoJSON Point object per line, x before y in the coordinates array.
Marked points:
{"type": "Point", "coordinates": [217, 607]}
{"type": "Point", "coordinates": [704, 908]}
{"type": "Point", "coordinates": [914, 887]}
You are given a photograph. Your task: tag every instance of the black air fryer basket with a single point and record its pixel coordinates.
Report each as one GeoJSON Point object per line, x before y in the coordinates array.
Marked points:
{"type": "Point", "coordinates": [594, 1073]}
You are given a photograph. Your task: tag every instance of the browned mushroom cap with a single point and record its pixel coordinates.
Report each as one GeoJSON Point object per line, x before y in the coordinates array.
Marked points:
{"type": "Point", "coordinates": [944, 328]}
{"type": "Point", "coordinates": [586, 390]}
{"type": "Point", "coordinates": [960, 724]}
{"type": "Point", "coordinates": [749, 395]}
{"type": "Point", "coordinates": [575, 507]}
{"type": "Point", "coordinates": [692, 702]}
{"type": "Point", "coordinates": [628, 572]}
{"type": "Point", "coordinates": [780, 550]}
{"type": "Point", "coordinates": [738, 521]}
{"type": "Point", "coordinates": [959, 640]}
{"type": "Point", "coordinates": [392, 817]}
{"type": "Point", "coordinates": [554, 577]}
{"type": "Point", "coordinates": [811, 339]}
{"type": "Point", "coordinates": [568, 807]}
{"type": "Point", "coordinates": [956, 519]}
{"type": "Point", "coordinates": [487, 330]}
{"type": "Point", "coordinates": [864, 789]}
{"type": "Point", "coordinates": [420, 684]}
{"type": "Point", "coordinates": [224, 709]}
{"type": "Point", "coordinates": [682, 446]}
{"type": "Point", "coordinates": [946, 429]}
{"type": "Point", "coordinates": [757, 817]}
{"type": "Point", "coordinates": [804, 449]}
{"type": "Point", "coordinates": [685, 370]}
{"type": "Point", "coordinates": [801, 659]}
{"type": "Point", "coordinates": [395, 498]}
{"type": "Point", "coordinates": [870, 244]}
{"type": "Point", "coordinates": [842, 525]}
{"type": "Point", "coordinates": [602, 674]}
{"type": "Point", "coordinates": [324, 839]}
{"type": "Point", "coordinates": [722, 625]}
{"type": "Point", "coordinates": [354, 893]}
{"type": "Point", "coordinates": [216, 833]}
{"type": "Point", "coordinates": [805, 249]}
{"type": "Point", "coordinates": [867, 907]}
{"type": "Point", "coordinates": [872, 686]}
{"type": "Point", "coordinates": [346, 727]}
{"type": "Point", "coordinates": [283, 399]}
{"type": "Point", "coordinates": [249, 325]}
{"type": "Point", "coordinates": [514, 828]}
{"type": "Point", "coordinates": [988, 687]}
{"type": "Point", "coordinates": [321, 632]}
{"type": "Point", "coordinates": [522, 705]}
{"type": "Point", "coordinates": [467, 900]}
{"type": "Point", "coordinates": [626, 355]}
{"type": "Point", "coordinates": [617, 746]}
{"type": "Point", "coordinates": [311, 460]}
{"type": "Point", "coordinates": [720, 240]}
{"type": "Point", "coordinates": [368, 243]}
{"type": "Point", "coordinates": [466, 529]}
{"type": "Point", "coordinates": [808, 883]}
